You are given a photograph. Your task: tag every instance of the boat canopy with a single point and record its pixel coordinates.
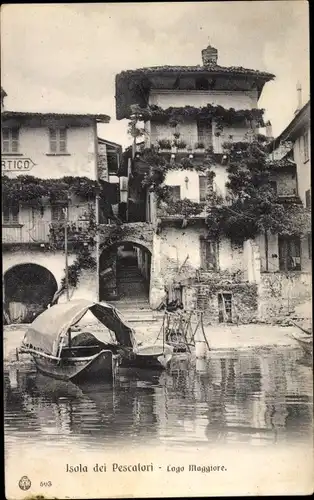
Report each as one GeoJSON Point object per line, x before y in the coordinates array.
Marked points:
{"type": "Point", "coordinates": [50, 327]}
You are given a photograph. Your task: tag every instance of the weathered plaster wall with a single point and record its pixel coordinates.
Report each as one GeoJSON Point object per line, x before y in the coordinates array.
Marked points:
{"type": "Point", "coordinates": [53, 261]}
{"type": "Point", "coordinates": [280, 293]}
{"type": "Point", "coordinates": [80, 160]}
{"type": "Point", "coordinates": [191, 189]}
{"type": "Point", "coordinates": [198, 98]}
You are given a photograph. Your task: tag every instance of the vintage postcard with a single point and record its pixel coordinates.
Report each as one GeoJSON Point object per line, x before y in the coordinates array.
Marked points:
{"type": "Point", "coordinates": [156, 249]}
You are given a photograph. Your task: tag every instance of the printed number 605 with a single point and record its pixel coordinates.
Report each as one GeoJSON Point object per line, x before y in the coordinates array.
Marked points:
{"type": "Point", "coordinates": [45, 484]}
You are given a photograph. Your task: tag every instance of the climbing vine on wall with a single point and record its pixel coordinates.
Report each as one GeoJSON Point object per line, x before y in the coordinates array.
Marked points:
{"type": "Point", "coordinates": [223, 117]}
{"type": "Point", "coordinates": [35, 191]}
{"type": "Point", "coordinates": [254, 206]}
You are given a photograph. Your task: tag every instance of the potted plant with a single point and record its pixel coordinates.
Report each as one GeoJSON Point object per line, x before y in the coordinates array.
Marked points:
{"type": "Point", "coordinates": [200, 145]}
{"type": "Point", "coordinates": [180, 144]}
{"type": "Point", "coordinates": [164, 144]}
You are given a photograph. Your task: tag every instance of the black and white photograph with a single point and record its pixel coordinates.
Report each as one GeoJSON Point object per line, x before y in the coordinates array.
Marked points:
{"type": "Point", "coordinates": [156, 249]}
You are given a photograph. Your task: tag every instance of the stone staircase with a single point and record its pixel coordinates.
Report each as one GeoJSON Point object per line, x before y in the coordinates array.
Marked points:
{"type": "Point", "coordinates": [133, 295]}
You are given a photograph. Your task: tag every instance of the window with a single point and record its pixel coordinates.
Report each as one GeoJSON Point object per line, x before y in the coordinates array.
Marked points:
{"type": "Point", "coordinates": [306, 146]}
{"type": "Point", "coordinates": [58, 140]}
{"type": "Point", "coordinates": [10, 215]}
{"type": "Point", "coordinates": [175, 192]}
{"type": "Point", "coordinates": [205, 133]}
{"type": "Point", "coordinates": [205, 185]}
{"type": "Point", "coordinates": [10, 140]}
{"type": "Point", "coordinates": [57, 213]}
{"type": "Point", "coordinates": [289, 253]}
{"type": "Point", "coordinates": [208, 255]}
{"type": "Point", "coordinates": [308, 198]}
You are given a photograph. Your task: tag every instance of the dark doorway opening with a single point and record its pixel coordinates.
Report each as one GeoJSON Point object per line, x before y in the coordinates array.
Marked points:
{"type": "Point", "coordinates": [225, 307]}
{"type": "Point", "coordinates": [125, 274]}
{"type": "Point", "coordinates": [28, 290]}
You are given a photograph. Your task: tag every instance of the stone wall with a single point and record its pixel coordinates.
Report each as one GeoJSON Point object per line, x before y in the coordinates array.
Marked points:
{"type": "Point", "coordinates": [280, 293]}
{"type": "Point", "coordinates": [102, 162]}
{"type": "Point", "coordinates": [205, 297]}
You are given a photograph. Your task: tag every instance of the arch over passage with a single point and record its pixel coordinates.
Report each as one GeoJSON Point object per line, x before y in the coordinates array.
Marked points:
{"type": "Point", "coordinates": [28, 289]}
{"type": "Point", "coordinates": [124, 272]}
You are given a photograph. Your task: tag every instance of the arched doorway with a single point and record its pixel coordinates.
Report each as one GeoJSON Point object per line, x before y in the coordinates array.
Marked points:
{"type": "Point", "coordinates": [28, 289]}
{"type": "Point", "coordinates": [125, 273]}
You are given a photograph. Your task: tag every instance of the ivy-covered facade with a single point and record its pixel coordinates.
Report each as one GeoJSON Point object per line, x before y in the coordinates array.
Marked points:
{"type": "Point", "coordinates": [53, 170]}
{"type": "Point", "coordinates": [225, 212]}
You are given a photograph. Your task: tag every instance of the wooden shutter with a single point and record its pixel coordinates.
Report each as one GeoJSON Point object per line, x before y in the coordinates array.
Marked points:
{"type": "Point", "coordinates": [205, 132]}
{"type": "Point", "coordinates": [208, 254]}
{"type": "Point", "coordinates": [5, 140]}
{"type": "Point", "coordinates": [53, 140]}
{"type": "Point", "coordinates": [62, 140]}
{"type": "Point", "coordinates": [15, 140]}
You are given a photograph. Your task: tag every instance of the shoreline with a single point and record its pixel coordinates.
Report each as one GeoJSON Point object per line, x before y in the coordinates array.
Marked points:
{"type": "Point", "coordinates": [220, 338]}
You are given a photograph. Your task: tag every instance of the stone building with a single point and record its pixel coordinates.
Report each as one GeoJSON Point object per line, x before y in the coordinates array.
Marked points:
{"type": "Point", "coordinates": [176, 113]}
{"type": "Point", "coordinates": [50, 164]}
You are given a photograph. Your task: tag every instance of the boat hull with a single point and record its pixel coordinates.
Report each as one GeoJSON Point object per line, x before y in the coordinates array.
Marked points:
{"type": "Point", "coordinates": [101, 366]}
{"type": "Point", "coordinates": [150, 357]}
{"type": "Point", "coordinates": [306, 345]}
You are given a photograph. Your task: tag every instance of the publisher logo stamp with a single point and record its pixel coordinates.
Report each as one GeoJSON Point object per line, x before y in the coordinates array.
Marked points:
{"type": "Point", "coordinates": [25, 483]}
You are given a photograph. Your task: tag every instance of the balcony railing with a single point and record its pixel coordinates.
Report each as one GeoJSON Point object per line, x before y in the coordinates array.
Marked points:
{"type": "Point", "coordinates": [45, 232]}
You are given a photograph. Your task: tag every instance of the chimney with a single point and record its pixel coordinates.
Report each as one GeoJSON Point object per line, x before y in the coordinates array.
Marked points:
{"type": "Point", "coordinates": [3, 95]}
{"type": "Point", "coordinates": [299, 91]}
{"type": "Point", "coordinates": [209, 56]}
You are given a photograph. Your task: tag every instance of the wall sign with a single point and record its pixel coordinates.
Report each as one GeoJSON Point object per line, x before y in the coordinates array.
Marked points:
{"type": "Point", "coordinates": [12, 164]}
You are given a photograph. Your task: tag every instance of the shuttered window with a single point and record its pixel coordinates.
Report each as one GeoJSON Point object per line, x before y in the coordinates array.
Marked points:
{"type": "Point", "coordinates": [205, 133]}
{"type": "Point", "coordinates": [289, 253]}
{"type": "Point", "coordinates": [208, 255]}
{"type": "Point", "coordinates": [205, 186]}
{"type": "Point", "coordinates": [10, 140]}
{"type": "Point", "coordinates": [57, 213]}
{"type": "Point", "coordinates": [175, 193]}
{"type": "Point", "coordinates": [10, 215]}
{"type": "Point", "coordinates": [58, 140]}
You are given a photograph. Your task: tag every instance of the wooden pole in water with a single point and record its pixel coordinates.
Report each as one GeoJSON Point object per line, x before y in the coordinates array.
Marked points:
{"type": "Point", "coordinates": [66, 252]}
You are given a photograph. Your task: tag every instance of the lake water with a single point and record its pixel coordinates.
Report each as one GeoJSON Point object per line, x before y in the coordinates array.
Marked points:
{"type": "Point", "coordinates": [250, 397]}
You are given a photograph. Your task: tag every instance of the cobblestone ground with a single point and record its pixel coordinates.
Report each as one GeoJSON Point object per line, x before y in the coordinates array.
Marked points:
{"type": "Point", "coordinates": [219, 337]}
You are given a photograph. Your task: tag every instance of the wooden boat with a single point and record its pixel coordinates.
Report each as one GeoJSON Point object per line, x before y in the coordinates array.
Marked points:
{"type": "Point", "coordinates": [60, 352]}
{"type": "Point", "coordinates": [154, 357]}
{"type": "Point", "coordinates": [306, 343]}
{"type": "Point", "coordinates": [49, 341]}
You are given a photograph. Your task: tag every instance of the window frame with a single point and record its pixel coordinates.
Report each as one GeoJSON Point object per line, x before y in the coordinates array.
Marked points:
{"type": "Point", "coordinates": [11, 215]}
{"type": "Point", "coordinates": [284, 252]}
{"type": "Point", "coordinates": [58, 145]}
{"type": "Point", "coordinates": [178, 187]}
{"type": "Point", "coordinates": [204, 250]}
{"type": "Point", "coordinates": [10, 144]}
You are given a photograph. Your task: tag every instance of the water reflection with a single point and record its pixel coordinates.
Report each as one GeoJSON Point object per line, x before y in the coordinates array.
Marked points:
{"type": "Point", "coordinates": [232, 397]}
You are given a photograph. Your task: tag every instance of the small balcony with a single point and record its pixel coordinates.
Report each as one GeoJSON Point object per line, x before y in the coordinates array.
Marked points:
{"type": "Point", "coordinates": [46, 233]}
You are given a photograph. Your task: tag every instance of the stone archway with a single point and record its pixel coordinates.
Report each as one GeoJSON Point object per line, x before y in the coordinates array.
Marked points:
{"type": "Point", "coordinates": [125, 272]}
{"type": "Point", "coordinates": [28, 290]}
